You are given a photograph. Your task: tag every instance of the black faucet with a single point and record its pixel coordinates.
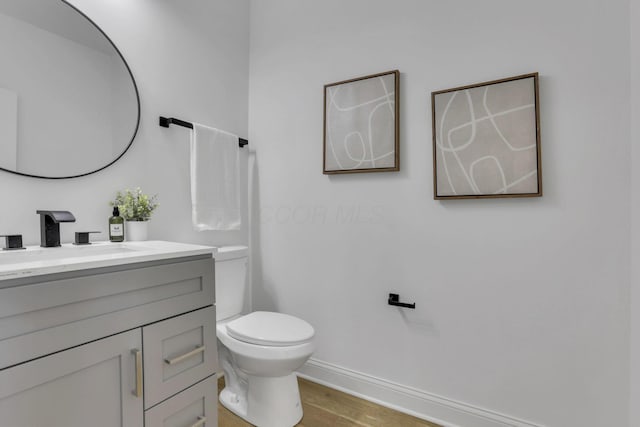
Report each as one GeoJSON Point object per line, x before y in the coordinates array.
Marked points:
{"type": "Point", "coordinates": [50, 226]}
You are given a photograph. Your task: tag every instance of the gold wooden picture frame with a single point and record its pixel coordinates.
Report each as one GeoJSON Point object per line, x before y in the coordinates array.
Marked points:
{"type": "Point", "coordinates": [486, 140]}
{"type": "Point", "coordinates": [362, 124]}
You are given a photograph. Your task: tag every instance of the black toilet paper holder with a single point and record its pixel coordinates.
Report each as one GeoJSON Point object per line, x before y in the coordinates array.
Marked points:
{"type": "Point", "coordinates": [394, 299]}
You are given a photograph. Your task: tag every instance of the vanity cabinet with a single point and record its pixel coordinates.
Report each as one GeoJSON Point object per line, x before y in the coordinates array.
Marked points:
{"type": "Point", "coordinates": [131, 346]}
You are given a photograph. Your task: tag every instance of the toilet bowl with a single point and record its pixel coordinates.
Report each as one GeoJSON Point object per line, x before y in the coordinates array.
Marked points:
{"type": "Point", "coordinates": [258, 352]}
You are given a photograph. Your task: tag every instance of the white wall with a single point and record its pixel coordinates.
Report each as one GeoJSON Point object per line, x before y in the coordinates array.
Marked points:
{"type": "Point", "coordinates": [190, 60]}
{"type": "Point", "coordinates": [8, 128]}
{"type": "Point", "coordinates": [634, 398]}
{"type": "Point", "coordinates": [522, 304]}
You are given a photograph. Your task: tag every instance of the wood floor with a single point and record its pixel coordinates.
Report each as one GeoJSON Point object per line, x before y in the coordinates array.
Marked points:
{"type": "Point", "coordinates": [326, 407]}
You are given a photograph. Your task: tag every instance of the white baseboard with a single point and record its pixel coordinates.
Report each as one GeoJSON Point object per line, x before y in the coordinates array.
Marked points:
{"type": "Point", "coordinates": [427, 406]}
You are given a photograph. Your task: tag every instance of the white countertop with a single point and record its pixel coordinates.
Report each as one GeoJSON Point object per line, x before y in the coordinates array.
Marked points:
{"type": "Point", "coordinates": [36, 261]}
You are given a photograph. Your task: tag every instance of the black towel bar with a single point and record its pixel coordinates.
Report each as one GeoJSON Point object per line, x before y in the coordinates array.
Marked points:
{"type": "Point", "coordinates": [166, 121]}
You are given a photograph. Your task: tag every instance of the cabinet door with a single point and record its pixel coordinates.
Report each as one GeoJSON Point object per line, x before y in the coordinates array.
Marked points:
{"type": "Point", "coordinates": [197, 406]}
{"type": "Point", "coordinates": [178, 352]}
{"type": "Point", "coordinates": [90, 385]}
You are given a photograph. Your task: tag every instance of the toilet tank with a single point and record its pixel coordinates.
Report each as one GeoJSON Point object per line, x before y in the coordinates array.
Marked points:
{"type": "Point", "coordinates": [231, 280]}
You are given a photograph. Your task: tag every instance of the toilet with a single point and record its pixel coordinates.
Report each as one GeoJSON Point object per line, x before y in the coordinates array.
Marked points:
{"type": "Point", "coordinates": [259, 352]}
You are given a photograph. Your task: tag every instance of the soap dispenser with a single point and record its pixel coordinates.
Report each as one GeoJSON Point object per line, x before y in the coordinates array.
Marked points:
{"type": "Point", "coordinates": [116, 226]}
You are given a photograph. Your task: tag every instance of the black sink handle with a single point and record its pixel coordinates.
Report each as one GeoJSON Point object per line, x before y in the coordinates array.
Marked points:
{"type": "Point", "coordinates": [13, 242]}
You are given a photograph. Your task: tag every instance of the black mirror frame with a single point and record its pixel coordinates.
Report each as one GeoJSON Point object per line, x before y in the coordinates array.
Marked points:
{"type": "Point", "coordinates": [135, 88]}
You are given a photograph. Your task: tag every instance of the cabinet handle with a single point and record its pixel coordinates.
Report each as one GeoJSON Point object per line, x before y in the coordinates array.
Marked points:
{"type": "Point", "coordinates": [185, 356]}
{"type": "Point", "coordinates": [200, 422]}
{"type": "Point", "coordinates": [138, 354]}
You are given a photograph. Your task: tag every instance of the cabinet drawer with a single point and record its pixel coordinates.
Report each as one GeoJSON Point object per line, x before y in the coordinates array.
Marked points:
{"type": "Point", "coordinates": [178, 352]}
{"type": "Point", "coordinates": [67, 309]}
{"type": "Point", "coordinates": [195, 407]}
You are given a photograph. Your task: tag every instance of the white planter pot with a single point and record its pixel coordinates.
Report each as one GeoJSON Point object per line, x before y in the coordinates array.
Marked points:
{"type": "Point", "coordinates": [136, 231]}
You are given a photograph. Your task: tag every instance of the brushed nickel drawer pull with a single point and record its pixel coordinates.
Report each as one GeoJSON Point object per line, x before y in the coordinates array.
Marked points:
{"type": "Point", "coordinates": [185, 356]}
{"type": "Point", "coordinates": [200, 422]}
{"type": "Point", "coordinates": [138, 354]}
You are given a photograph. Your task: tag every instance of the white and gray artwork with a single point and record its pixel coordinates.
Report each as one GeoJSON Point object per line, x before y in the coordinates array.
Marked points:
{"type": "Point", "coordinates": [361, 125]}
{"type": "Point", "coordinates": [486, 141]}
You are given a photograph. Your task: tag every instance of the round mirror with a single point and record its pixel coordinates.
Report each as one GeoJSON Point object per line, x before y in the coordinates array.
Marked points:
{"type": "Point", "coordinates": [69, 105]}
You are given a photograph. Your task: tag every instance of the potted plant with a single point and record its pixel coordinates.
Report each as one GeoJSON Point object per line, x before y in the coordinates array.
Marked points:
{"type": "Point", "coordinates": [136, 209]}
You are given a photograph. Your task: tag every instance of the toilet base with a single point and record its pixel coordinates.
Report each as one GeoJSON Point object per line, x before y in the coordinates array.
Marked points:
{"type": "Point", "coordinates": [268, 401]}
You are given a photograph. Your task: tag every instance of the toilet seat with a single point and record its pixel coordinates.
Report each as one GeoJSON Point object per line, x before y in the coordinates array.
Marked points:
{"type": "Point", "coordinates": [260, 359]}
{"type": "Point", "coordinates": [270, 329]}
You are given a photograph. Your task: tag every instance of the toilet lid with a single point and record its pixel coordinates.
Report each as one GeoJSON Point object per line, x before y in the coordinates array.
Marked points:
{"type": "Point", "coordinates": [271, 329]}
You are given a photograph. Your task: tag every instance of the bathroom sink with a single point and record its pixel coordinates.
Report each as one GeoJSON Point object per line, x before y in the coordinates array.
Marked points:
{"type": "Point", "coordinates": [44, 254]}
{"type": "Point", "coordinates": [36, 260]}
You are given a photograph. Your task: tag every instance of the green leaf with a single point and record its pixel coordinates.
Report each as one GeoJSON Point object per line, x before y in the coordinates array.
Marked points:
{"type": "Point", "coordinates": [135, 205]}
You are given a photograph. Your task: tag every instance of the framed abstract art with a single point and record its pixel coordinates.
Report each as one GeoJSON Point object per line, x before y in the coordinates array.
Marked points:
{"type": "Point", "coordinates": [486, 140]}
{"type": "Point", "coordinates": [361, 124]}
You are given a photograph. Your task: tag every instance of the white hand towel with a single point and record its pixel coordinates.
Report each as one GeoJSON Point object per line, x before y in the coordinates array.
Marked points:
{"type": "Point", "coordinates": [215, 179]}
